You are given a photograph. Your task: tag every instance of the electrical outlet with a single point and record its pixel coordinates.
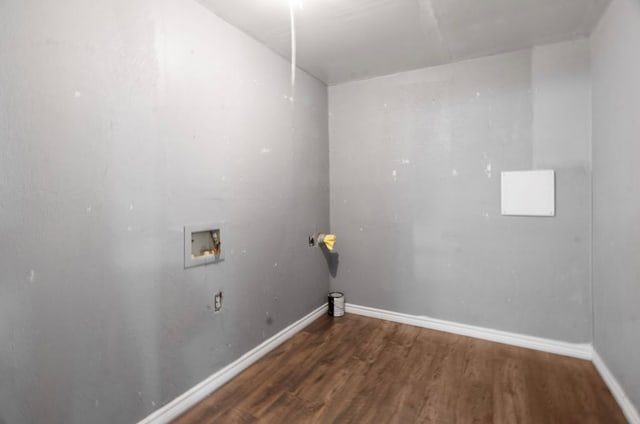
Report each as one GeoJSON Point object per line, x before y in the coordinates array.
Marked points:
{"type": "Point", "coordinates": [217, 302]}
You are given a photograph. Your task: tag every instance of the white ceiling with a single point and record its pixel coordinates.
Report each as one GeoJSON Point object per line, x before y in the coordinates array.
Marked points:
{"type": "Point", "coordinates": [343, 40]}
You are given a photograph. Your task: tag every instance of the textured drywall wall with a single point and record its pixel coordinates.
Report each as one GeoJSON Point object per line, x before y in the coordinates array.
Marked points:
{"type": "Point", "coordinates": [616, 200]}
{"type": "Point", "coordinates": [561, 105]}
{"type": "Point", "coordinates": [120, 122]}
{"type": "Point", "coordinates": [415, 164]}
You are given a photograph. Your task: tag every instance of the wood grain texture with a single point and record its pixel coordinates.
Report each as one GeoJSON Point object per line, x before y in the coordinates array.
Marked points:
{"type": "Point", "coordinates": [356, 369]}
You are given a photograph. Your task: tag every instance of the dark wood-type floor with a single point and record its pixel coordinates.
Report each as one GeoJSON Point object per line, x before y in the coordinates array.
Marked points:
{"type": "Point", "coordinates": [363, 370]}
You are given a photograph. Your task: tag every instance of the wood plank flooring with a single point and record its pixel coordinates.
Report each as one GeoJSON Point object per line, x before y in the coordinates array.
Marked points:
{"type": "Point", "coordinates": [355, 369]}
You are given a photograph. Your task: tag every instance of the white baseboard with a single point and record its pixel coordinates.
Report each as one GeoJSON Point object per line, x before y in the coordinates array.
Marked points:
{"type": "Point", "coordinates": [576, 350]}
{"type": "Point", "coordinates": [184, 402]}
{"type": "Point", "coordinates": [630, 412]}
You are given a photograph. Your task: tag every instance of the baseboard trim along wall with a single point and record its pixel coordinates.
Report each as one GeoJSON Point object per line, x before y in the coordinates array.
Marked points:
{"type": "Point", "coordinates": [576, 350]}
{"type": "Point", "coordinates": [630, 412]}
{"type": "Point", "coordinates": [184, 402]}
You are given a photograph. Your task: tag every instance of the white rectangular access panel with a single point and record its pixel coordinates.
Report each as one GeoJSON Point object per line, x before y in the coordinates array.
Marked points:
{"type": "Point", "coordinates": [528, 193]}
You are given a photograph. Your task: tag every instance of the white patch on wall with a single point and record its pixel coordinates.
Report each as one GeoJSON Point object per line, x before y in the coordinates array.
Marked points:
{"type": "Point", "coordinates": [528, 193]}
{"type": "Point", "coordinates": [487, 170]}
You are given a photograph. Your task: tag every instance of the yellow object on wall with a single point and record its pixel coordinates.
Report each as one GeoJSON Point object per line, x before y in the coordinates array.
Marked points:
{"type": "Point", "coordinates": [329, 240]}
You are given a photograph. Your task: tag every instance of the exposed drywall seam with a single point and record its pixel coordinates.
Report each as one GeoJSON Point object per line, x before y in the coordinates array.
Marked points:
{"type": "Point", "coordinates": [590, 170]}
{"type": "Point", "coordinates": [593, 301]}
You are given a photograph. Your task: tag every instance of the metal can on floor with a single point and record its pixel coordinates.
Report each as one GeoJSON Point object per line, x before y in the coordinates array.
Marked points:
{"type": "Point", "coordinates": [336, 304]}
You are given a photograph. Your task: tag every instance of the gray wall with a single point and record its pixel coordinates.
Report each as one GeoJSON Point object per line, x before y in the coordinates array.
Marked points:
{"type": "Point", "coordinates": [616, 200]}
{"type": "Point", "coordinates": [415, 191]}
{"type": "Point", "coordinates": [120, 122]}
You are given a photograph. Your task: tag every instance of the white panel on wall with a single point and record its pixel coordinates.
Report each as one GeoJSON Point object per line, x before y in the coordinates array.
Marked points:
{"type": "Point", "coordinates": [528, 193]}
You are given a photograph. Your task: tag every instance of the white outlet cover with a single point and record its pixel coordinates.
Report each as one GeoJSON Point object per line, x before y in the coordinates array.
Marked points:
{"type": "Point", "coordinates": [528, 193]}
